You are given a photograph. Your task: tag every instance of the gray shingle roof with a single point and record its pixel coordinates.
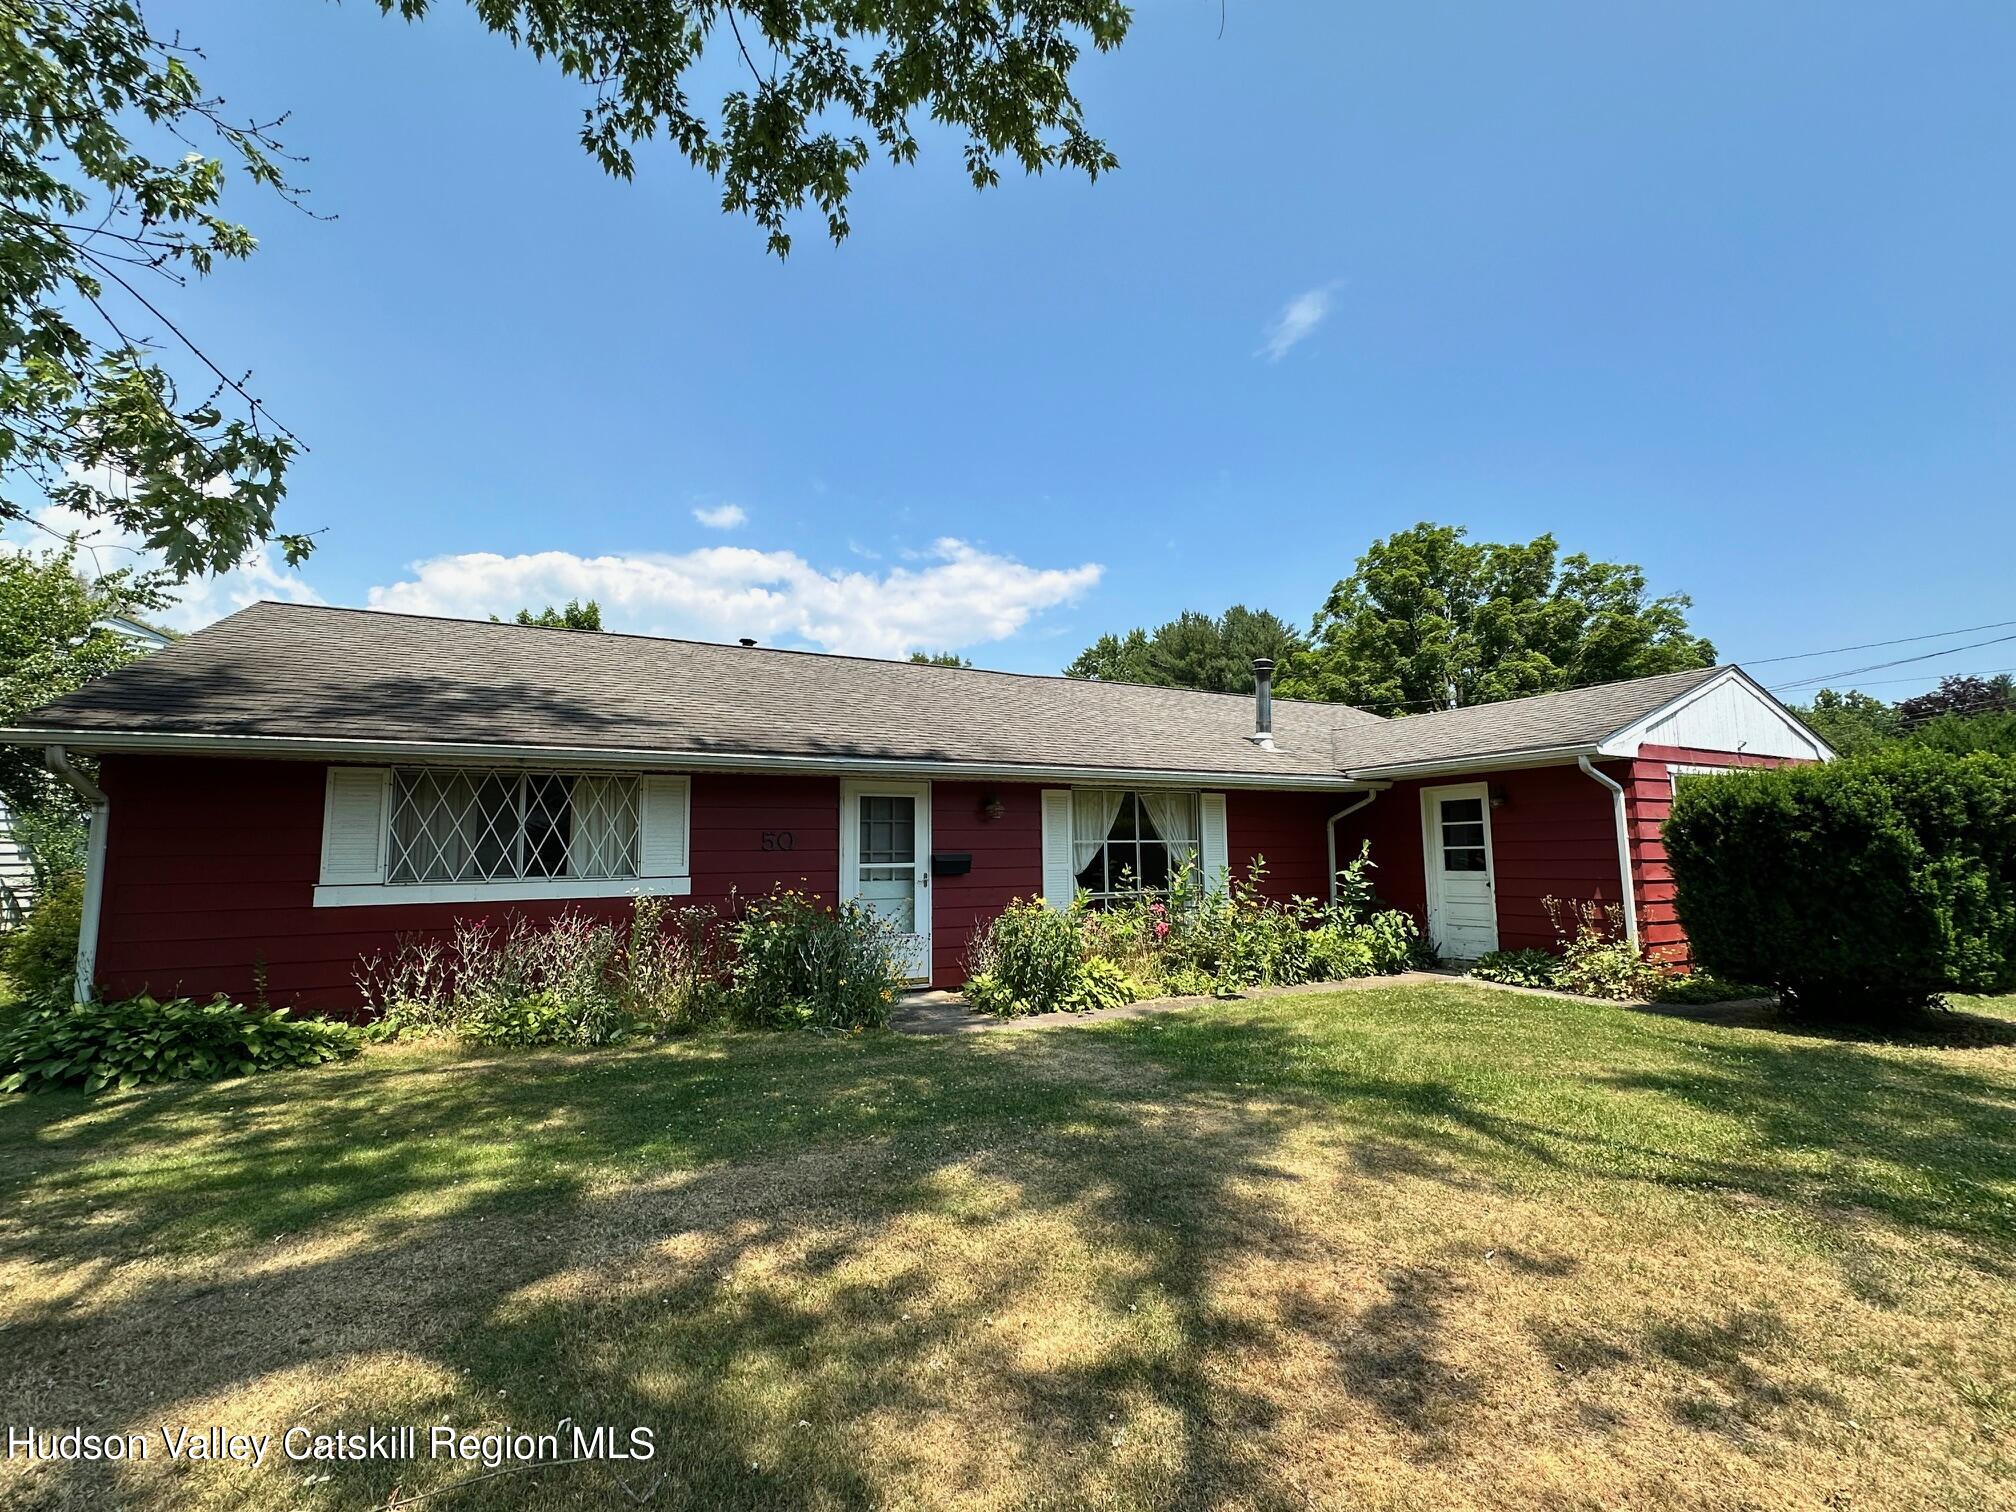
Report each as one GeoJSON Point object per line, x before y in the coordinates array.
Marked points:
{"type": "Point", "coordinates": [1581, 716]}
{"type": "Point", "coordinates": [342, 675]}
{"type": "Point", "coordinates": [349, 674]}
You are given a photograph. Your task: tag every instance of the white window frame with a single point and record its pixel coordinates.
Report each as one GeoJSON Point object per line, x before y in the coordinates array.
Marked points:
{"type": "Point", "coordinates": [1196, 863]}
{"type": "Point", "coordinates": [382, 891]}
{"type": "Point", "coordinates": [1678, 769]}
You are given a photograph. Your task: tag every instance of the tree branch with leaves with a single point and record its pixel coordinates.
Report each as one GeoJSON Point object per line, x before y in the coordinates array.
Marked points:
{"type": "Point", "coordinates": [114, 163]}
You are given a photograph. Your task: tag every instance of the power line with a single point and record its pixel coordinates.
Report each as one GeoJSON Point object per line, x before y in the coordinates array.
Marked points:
{"type": "Point", "coordinates": [1899, 662]}
{"type": "Point", "coordinates": [1765, 661]}
{"type": "Point", "coordinates": [1878, 682]}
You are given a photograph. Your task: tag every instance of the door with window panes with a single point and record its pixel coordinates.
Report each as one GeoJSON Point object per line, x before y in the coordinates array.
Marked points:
{"type": "Point", "coordinates": [1462, 900]}
{"type": "Point", "coordinates": [885, 862]}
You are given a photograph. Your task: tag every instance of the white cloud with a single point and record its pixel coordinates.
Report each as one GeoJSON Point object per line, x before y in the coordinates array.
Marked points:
{"type": "Point", "coordinates": [962, 596]}
{"type": "Point", "coordinates": [1297, 322]}
{"type": "Point", "coordinates": [102, 548]}
{"type": "Point", "coordinates": [722, 516]}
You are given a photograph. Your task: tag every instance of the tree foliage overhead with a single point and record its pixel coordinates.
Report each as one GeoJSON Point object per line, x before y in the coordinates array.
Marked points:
{"type": "Point", "coordinates": [114, 162]}
{"type": "Point", "coordinates": [1194, 650]}
{"type": "Point", "coordinates": [997, 72]}
{"type": "Point", "coordinates": [53, 640]}
{"type": "Point", "coordinates": [93, 221]}
{"type": "Point", "coordinates": [574, 615]}
{"type": "Point", "coordinates": [1430, 617]}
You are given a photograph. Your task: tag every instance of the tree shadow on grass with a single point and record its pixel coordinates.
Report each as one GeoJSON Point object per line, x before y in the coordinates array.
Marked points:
{"type": "Point", "coordinates": [714, 1248]}
{"type": "Point", "coordinates": [1836, 1132]}
{"type": "Point", "coordinates": [843, 1273]}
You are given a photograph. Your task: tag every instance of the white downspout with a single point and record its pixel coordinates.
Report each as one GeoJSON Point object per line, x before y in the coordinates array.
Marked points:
{"type": "Point", "coordinates": [1623, 823]}
{"type": "Point", "coordinates": [58, 761]}
{"type": "Point", "coordinates": [1330, 832]}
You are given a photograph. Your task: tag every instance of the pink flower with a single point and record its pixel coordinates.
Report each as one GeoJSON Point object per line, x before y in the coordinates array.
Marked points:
{"type": "Point", "coordinates": [1161, 928]}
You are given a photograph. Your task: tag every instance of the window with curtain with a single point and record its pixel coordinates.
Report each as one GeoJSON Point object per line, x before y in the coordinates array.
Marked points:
{"type": "Point", "coordinates": [1125, 844]}
{"type": "Point", "coordinates": [479, 825]}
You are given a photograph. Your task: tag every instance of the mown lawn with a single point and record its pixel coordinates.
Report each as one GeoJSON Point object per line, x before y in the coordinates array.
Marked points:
{"type": "Point", "coordinates": [1412, 1247]}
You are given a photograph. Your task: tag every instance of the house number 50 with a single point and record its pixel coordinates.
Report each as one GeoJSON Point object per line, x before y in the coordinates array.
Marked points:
{"type": "Point", "coordinates": [778, 840]}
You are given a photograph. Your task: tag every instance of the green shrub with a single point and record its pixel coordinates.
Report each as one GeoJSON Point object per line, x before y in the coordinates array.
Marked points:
{"type": "Point", "coordinates": [125, 1044]}
{"type": "Point", "coordinates": [797, 964]}
{"type": "Point", "coordinates": [1192, 942]}
{"type": "Point", "coordinates": [40, 955]}
{"type": "Point", "coordinates": [1101, 984]}
{"type": "Point", "coordinates": [1519, 968]}
{"type": "Point", "coordinates": [1027, 959]}
{"type": "Point", "coordinates": [572, 979]}
{"type": "Point", "coordinates": [1699, 987]}
{"type": "Point", "coordinates": [1598, 958]}
{"type": "Point", "coordinates": [1862, 887]}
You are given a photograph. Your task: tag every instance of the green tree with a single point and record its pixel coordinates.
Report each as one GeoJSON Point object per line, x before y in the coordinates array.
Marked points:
{"type": "Point", "coordinates": [114, 410]}
{"type": "Point", "coordinates": [574, 616]}
{"type": "Point", "coordinates": [939, 659]}
{"type": "Point", "coordinates": [1993, 730]}
{"type": "Point", "coordinates": [1193, 650]}
{"type": "Point", "coordinates": [1429, 618]}
{"type": "Point", "coordinates": [53, 641]}
{"type": "Point", "coordinates": [1852, 721]}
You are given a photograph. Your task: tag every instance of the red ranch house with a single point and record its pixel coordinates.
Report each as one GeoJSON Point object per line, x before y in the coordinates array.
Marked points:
{"type": "Point", "coordinates": [294, 788]}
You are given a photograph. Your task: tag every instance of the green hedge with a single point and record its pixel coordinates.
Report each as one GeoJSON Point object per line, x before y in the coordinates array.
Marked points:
{"type": "Point", "coordinates": [1864, 886]}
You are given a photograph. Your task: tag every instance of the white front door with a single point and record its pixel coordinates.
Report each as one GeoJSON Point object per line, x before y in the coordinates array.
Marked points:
{"type": "Point", "coordinates": [1462, 901]}
{"type": "Point", "coordinates": [885, 861]}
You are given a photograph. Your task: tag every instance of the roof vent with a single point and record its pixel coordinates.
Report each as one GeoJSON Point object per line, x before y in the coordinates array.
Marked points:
{"type": "Point", "coordinates": [747, 640]}
{"type": "Point", "coordinates": [1263, 703]}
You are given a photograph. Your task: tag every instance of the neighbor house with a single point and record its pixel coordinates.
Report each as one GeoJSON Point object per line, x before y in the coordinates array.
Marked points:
{"type": "Point", "coordinates": [295, 788]}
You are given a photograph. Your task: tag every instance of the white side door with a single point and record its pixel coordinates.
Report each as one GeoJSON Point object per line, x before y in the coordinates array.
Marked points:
{"type": "Point", "coordinates": [1462, 894]}
{"type": "Point", "coordinates": [885, 861]}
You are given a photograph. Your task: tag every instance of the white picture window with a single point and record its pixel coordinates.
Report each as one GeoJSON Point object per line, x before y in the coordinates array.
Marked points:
{"type": "Point", "coordinates": [1125, 844]}
{"type": "Point", "coordinates": [478, 825]}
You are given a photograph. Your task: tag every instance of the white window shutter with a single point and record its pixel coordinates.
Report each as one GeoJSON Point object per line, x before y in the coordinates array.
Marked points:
{"type": "Point", "coordinates": [1060, 877]}
{"type": "Point", "coordinates": [354, 822]}
{"type": "Point", "coordinates": [662, 851]}
{"type": "Point", "coordinates": [1215, 852]}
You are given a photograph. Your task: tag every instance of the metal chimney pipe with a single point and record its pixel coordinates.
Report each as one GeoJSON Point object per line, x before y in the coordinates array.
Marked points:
{"type": "Point", "coordinates": [1263, 702]}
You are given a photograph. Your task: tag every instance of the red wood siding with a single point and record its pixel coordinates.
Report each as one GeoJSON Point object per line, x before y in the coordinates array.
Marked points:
{"type": "Point", "coordinates": [1649, 794]}
{"type": "Point", "coordinates": [212, 864]}
{"type": "Point", "coordinates": [1007, 864]}
{"type": "Point", "coordinates": [211, 868]}
{"type": "Point", "coordinates": [1286, 830]}
{"type": "Point", "coordinates": [1553, 836]}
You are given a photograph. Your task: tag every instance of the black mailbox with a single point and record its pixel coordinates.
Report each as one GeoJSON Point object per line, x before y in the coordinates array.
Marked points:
{"type": "Point", "coordinates": [952, 863]}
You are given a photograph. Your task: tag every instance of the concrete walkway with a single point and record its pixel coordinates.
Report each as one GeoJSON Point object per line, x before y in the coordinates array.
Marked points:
{"type": "Point", "coordinates": [948, 1013]}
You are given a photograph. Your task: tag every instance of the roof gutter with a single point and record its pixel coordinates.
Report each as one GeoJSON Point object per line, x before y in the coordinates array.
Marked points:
{"type": "Point", "coordinates": [310, 748]}
{"type": "Point", "coordinates": [1623, 823]}
{"type": "Point", "coordinates": [58, 761]}
{"type": "Point", "coordinates": [1492, 761]}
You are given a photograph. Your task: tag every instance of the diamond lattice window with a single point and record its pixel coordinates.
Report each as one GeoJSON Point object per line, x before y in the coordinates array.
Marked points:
{"type": "Point", "coordinates": [475, 825]}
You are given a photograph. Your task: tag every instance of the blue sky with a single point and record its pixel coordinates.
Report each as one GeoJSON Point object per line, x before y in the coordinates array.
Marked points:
{"type": "Point", "coordinates": [1721, 288]}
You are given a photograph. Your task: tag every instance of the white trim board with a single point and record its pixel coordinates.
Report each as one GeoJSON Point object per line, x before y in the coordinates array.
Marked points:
{"type": "Point", "coordinates": [423, 752]}
{"type": "Point", "coordinates": [394, 894]}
